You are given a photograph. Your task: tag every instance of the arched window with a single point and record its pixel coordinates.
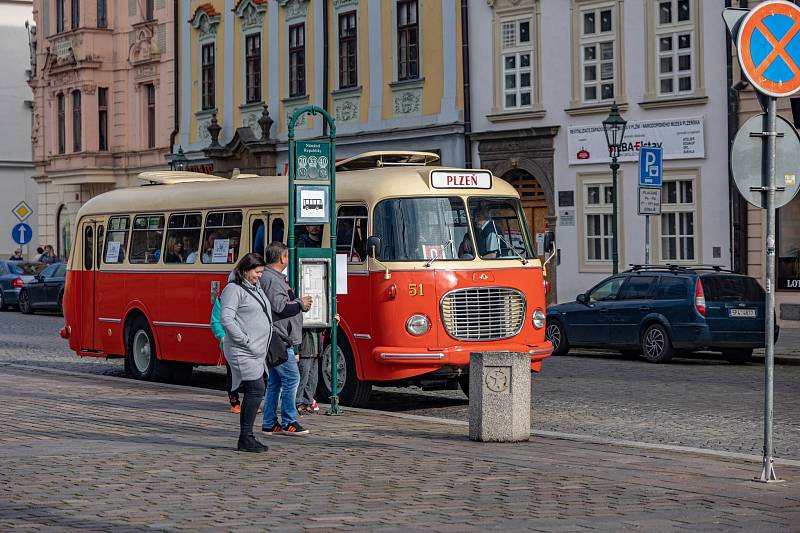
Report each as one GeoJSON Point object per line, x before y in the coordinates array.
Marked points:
{"type": "Point", "coordinates": [64, 233]}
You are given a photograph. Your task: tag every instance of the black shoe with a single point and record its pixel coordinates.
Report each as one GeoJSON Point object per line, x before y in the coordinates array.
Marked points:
{"type": "Point", "coordinates": [294, 429]}
{"type": "Point", "coordinates": [248, 443]}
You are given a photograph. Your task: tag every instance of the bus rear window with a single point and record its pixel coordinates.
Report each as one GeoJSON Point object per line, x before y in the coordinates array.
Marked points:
{"type": "Point", "coordinates": [148, 232]}
{"type": "Point", "coordinates": [221, 237]}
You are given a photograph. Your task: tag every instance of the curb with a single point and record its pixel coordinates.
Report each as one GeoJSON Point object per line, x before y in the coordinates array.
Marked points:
{"type": "Point", "coordinates": [589, 439]}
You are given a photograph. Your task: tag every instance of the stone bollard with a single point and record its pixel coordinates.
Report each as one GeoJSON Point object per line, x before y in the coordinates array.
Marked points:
{"type": "Point", "coordinates": [499, 396]}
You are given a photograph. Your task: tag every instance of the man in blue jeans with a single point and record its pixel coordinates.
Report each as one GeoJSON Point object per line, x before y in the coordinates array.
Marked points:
{"type": "Point", "coordinates": [288, 326]}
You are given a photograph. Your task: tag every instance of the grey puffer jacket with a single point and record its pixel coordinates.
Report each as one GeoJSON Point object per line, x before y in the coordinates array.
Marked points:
{"type": "Point", "coordinates": [247, 331]}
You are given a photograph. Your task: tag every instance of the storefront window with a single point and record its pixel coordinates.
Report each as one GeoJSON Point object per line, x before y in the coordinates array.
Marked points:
{"type": "Point", "coordinates": [788, 264]}
{"type": "Point", "coordinates": [64, 235]}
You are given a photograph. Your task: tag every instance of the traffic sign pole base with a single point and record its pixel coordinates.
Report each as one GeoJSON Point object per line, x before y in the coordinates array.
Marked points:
{"type": "Point", "coordinates": [768, 472]}
{"type": "Point", "coordinates": [334, 409]}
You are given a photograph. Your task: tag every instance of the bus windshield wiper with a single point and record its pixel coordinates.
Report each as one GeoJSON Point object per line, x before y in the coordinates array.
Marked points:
{"type": "Point", "coordinates": [430, 261]}
{"type": "Point", "coordinates": [510, 246]}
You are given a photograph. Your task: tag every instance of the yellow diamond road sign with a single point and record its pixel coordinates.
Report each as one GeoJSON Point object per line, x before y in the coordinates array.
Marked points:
{"type": "Point", "coordinates": [22, 211]}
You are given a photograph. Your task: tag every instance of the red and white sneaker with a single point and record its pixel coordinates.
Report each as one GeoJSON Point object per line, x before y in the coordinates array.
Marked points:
{"type": "Point", "coordinates": [315, 407]}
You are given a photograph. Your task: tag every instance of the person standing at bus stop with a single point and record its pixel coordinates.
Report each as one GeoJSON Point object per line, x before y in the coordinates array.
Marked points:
{"type": "Point", "coordinates": [288, 326]}
{"type": "Point", "coordinates": [246, 317]}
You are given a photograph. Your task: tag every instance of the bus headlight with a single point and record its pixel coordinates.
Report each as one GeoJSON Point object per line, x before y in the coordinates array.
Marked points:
{"type": "Point", "coordinates": [538, 319]}
{"type": "Point", "coordinates": [418, 325]}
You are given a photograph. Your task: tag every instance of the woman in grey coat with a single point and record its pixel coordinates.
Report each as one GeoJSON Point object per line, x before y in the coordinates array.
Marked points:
{"type": "Point", "coordinates": [246, 317]}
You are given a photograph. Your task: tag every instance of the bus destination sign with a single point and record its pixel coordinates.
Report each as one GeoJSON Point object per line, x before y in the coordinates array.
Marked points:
{"type": "Point", "coordinates": [452, 179]}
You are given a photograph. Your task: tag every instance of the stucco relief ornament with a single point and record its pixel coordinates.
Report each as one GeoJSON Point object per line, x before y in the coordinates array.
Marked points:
{"type": "Point", "coordinates": [206, 25]}
{"type": "Point", "coordinates": [251, 13]}
{"type": "Point", "coordinates": [346, 111]}
{"type": "Point", "coordinates": [295, 8]}
{"type": "Point", "coordinates": [342, 3]}
{"type": "Point", "coordinates": [406, 103]}
{"type": "Point", "coordinates": [251, 121]}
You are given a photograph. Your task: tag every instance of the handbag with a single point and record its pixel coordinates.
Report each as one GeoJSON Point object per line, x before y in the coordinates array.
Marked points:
{"type": "Point", "coordinates": [276, 353]}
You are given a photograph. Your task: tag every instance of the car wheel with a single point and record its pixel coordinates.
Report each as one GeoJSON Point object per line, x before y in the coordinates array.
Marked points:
{"type": "Point", "coordinates": [3, 306]}
{"type": "Point", "coordinates": [352, 391]}
{"type": "Point", "coordinates": [656, 346]}
{"type": "Point", "coordinates": [738, 356]}
{"type": "Point", "coordinates": [141, 361]}
{"type": "Point", "coordinates": [24, 302]}
{"type": "Point", "coordinates": [555, 334]}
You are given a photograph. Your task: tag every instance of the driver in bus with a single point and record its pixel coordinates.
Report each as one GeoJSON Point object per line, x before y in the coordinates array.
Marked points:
{"type": "Point", "coordinates": [486, 237]}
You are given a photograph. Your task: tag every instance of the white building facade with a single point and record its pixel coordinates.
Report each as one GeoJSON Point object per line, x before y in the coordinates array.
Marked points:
{"type": "Point", "coordinates": [16, 167]}
{"type": "Point", "coordinates": [544, 74]}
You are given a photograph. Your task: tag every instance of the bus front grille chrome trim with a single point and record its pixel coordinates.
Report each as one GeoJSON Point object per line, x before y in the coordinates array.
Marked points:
{"type": "Point", "coordinates": [483, 313]}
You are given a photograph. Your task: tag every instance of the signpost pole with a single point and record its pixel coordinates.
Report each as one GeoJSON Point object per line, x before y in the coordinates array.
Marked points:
{"type": "Point", "coordinates": [768, 470]}
{"type": "Point", "coordinates": [647, 239]}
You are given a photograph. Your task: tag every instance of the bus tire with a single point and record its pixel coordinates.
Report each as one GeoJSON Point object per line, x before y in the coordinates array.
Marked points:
{"type": "Point", "coordinates": [141, 361]}
{"type": "Point", "coordinates": [352, 391]}
{"type": "Point", "coordinates": [463, 382]}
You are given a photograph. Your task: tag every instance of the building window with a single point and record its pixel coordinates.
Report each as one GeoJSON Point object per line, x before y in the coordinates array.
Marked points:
{"type": "Point", "coordinates": [788, 262]}
{"type": "Point", "coordinates": [102, 118]}
{"type": "Point", "coordinates": [102, 15]}
{"type": "Point", "coordinates": [151, 115]}
{"type": "Point", "coordinates": [597, 208]}
{"type": "Point", "coordinates": [76, 121]}
{"type": "Point", "coordinates": [62, 123]}
{"type": "Point", "coordinates": [148, 10]}
{"type": "Point", "coordinates": [61, 22]}
{"type": "Point", "coordinates": [674, 47]}
{"type": "Point", "coordinates": [598, 54]}
{"type": "Point", "coordinates": [517, 63]}
{"type": "Point", "coordinates": [348, 59]}
{"type": "Point", "coordinates": [253, 67]}
{"type": "Point", "coordinates": [76, 14]}
{"type": "Point", "coordinates": [407, 40]}
{"type": "Point", "coordinates": [207, 73]}
{"type": "Point", "coordinates": [64, 232]}
{"type": "Point", "coordinates": [297, 60]}
{"type": "Point", "coordinates": [677, 223]}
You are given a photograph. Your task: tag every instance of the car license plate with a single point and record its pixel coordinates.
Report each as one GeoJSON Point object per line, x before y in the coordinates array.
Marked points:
{"type": "Point", "coordinates": [742, 313]}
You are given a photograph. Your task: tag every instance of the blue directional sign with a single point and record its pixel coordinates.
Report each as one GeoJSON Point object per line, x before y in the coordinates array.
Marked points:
{"type": "Point", "coordinates": [651, 166]}
{"type": "Point", "coordinates": [22, 233]}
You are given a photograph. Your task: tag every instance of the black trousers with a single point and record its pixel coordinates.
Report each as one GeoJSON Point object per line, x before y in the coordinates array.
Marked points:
{"type": "Point", "coordinates": [253, 393]}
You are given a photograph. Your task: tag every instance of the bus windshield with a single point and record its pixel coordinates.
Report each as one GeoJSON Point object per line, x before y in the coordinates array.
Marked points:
{"type": "Point", "coordinates": [420, 229]}
{"type": "Point", "coordinates": [498, 227]}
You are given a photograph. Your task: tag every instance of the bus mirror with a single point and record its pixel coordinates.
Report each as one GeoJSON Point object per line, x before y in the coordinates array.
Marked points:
{"type": "Point", "coordinates": [549, 241]}
{"type": "Point", "coordinates": [373, 246]}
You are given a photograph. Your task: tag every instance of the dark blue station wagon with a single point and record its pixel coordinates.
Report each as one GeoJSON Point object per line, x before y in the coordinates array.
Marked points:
{"type": "Point", "coordinates": [657, 310]}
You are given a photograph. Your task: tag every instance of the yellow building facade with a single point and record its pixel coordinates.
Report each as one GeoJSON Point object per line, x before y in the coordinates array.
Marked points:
{"type": "Point", "coordinates": [389, 72]}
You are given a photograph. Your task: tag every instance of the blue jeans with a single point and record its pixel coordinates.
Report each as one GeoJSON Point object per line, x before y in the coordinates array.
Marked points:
{"type": "Point", "coordinates": [283, 381]}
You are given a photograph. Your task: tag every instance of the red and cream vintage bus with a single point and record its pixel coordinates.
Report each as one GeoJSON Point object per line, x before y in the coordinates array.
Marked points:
{"type": "Point", "coordinates": [449, 270]}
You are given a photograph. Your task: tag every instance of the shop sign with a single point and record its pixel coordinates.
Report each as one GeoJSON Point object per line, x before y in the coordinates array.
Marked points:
{"type": "Point", "coordinates": [680, 138]}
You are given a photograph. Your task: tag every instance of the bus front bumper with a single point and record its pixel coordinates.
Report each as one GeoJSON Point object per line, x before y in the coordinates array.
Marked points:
{"type": "Point", "coordinates": [456, 355]}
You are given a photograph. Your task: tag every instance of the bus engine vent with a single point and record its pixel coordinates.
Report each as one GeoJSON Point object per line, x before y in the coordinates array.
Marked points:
{"type": "Point", "coordinates": [483, 313]}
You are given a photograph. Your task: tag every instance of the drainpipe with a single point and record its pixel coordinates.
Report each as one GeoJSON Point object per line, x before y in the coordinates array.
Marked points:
{"type": "Point", "coordinates": [176, 90]}
{"type": "Point", "coordinates": [325, 63]}
{"type": "Point", "coordinates": [465, 75]}
{"type": "Point", "coordinates": [738, 207]}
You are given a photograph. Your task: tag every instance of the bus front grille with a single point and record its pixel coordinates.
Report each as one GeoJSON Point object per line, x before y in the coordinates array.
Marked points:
{"type": "Point", "coordinates": [483, 313]}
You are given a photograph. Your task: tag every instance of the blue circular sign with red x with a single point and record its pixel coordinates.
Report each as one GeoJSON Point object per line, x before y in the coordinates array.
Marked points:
{"type": "Point", "coordinates": [769, 48]}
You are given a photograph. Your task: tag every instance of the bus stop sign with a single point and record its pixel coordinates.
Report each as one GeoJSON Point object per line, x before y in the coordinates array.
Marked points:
{"type": "Point", "coordinates": [768, 45]}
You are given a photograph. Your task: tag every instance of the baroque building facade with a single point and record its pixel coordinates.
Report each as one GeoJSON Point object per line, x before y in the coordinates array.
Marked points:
{"type": "Point", "coordinates": [102, 75]}
{"type": "Point", "coordinates": [394, 73]}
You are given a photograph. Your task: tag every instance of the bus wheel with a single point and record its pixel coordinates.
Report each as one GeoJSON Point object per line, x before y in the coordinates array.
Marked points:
{"type": "Point", "coordinates": [141, 361]}
{"type": "Point", "coordinates": [463, 382]}
{"type": "Point", "coordinates": [352, 391]}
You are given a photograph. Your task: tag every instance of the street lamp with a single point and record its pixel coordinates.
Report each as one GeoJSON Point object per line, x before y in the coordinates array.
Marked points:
{"type": "Point", "coordinates": [179, 161]}
{"type": "Point", "coordinates": [614, 128]}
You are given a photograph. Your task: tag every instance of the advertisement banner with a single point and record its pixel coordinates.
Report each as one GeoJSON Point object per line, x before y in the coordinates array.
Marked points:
{"type": "Point", "coordinates": [680, 138]}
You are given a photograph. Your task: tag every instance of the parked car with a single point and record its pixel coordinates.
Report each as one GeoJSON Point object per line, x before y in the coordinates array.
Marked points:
{"type": "Point", "coordinates": [45, 290]}
{"type": "Point", "coordinates": [13, 276]}
{"type": "Point", "coordinates": [656, 310]}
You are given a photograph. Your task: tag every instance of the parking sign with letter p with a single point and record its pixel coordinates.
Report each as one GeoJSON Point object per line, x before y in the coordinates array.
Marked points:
{"type": "Point", "coordinates": [650, 166]}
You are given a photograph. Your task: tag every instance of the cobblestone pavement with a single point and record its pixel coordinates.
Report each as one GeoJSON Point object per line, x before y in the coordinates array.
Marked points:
{"type": "Point", "coordinates": [99, 453]}
{"type": "Point", "coordinates": [694, 402]}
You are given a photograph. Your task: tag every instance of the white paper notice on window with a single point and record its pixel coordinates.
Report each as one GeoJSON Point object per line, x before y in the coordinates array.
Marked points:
{"type": "Point", "coordinates": [341, 273]}
{"type": "Point", "coordinates": [220, 253]}
{"type": "Point", "coordinates": [112, 252]}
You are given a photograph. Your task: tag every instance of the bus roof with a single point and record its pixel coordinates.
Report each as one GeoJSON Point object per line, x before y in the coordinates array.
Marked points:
{"type": "Point", "coordinates": [368, 186]}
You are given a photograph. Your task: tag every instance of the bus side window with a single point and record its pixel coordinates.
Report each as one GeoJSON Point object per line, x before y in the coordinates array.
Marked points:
{"type": "Point", "coordinates": [99, 246]}
{"type": "Point", "coordinates": [221, 237]}
{"type": "Point", "coordinates": [183, 238]}
{"type": "Point", "coordinates": [116, 240]}
{"type": "Point", "coordinates": [148, 233]}
{"type": "Point", "coordinates": [258, 235]}
{"type": "Point", "coordinates": [351, 232]}
{"type": "Point", "coordinates": [88, 247]}
{"type": "Point", "coordinates": [277, 230]}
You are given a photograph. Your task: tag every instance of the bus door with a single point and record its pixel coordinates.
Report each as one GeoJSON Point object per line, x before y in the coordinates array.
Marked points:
{"type": "Point", "coordinates": [86, 282]}
{"type": "Point", "coordinates": [351, 240]}
{"type": "Point", "coordinates": [257, 222]}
